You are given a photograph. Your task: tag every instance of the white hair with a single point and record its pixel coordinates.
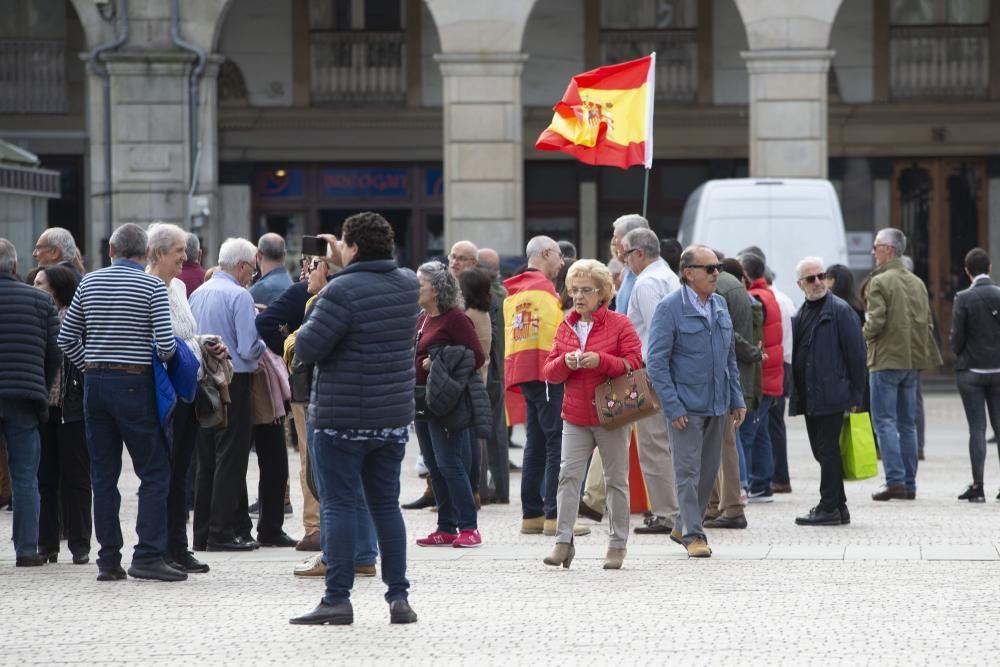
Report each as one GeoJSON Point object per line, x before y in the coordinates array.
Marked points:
{"type": "Point", "coordinates": [615, 267]}
{"type": "Point", "coordinates": [235, 251]}
{"type": "Point", "coordinates": [62, 239]}
{"type": "Point", "coordinates": [627, 223]}
{"type": "Point", "coordinates": [539, 244]}
{"type": "Point", "coordinates": [161, 236]}
{"type": "Point", "coordinates": [894, 238]}
{"type": "Point", "coordinates": [818, 261]}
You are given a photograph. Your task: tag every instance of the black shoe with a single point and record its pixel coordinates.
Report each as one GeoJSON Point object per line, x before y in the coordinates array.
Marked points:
{"type": "Point", "coordinates": [657, 525]}
{"type": "Point", "coordinates": [974, 494]}
{"type": "Point", "coordinates": [736, 522]}
{"type": "Point", "coordinates": [818, 516]}
{"type": "Point", "coordinates": [400, 612]}
{"type": "Point", "coordinates": [515, 445]}
{"type": "Point", "coordinates": [589, 512]}
{"type": "Point", "coordinates": [81, 558]}
{"type": "Point", "coordinates": [49, 555]}
{"type": "Point", "coordinates": [248, 539]}
{"type": "Point", "coordinates": [235, 545]}
{"type": "Point", "coordinates": [116, 574]}
{"type": "Point", "coordinates": [420, 503]}
{"type": "Point", "coordinates": [845, 515]}
{"type": "Point", "coordinates": [279, 540]}
{"type": "Point", "coordinates": [32, 560]}
{"type": "Point", "coordinates": [156, 570]}
{"type": "Point", "coordinates": [186, 562]}
{"type": "Point", "coordinates": [327, 614]}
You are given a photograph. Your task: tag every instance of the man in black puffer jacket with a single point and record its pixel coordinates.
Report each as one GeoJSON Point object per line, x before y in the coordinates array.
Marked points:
{"type": "Point", "coordinates": [30, 358]}
{"type": "Point", "coordinates": [360, 335]}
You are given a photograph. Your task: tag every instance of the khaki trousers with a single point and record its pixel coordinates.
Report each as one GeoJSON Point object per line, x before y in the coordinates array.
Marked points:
{"type": "Point", "coordinates": [577, 444]}
{"type": "Point", "coordinates": [726, 493]}
{"type": "Point", "coordinates": [657, 465]}
{"type": "Point", "coordinates": [310, 506]}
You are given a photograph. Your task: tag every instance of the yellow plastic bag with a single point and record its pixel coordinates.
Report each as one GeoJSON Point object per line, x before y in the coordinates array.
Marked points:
{"type": "Point", "coordinates": [857, 447]}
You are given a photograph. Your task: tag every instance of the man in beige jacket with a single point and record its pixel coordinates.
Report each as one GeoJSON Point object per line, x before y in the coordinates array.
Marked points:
{"type": "Point", "coordinates": [899, 332]}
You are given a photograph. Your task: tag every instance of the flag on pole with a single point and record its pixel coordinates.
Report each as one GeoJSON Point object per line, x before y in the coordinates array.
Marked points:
{"type": "Point", "coordinates": [606, 116]}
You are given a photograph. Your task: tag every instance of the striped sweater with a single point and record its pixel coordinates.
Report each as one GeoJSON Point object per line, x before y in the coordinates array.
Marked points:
{"type": "Point", "coordinates": [116, 316]}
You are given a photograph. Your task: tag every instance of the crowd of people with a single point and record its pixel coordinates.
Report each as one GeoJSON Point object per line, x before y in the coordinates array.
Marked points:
{"type": "Point", "coordinates": [192, 369]}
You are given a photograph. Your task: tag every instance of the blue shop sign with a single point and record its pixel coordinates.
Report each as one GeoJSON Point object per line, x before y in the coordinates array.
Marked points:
{"type": "Point", "coordinates": [281, 184]}
{"type": "Point", "coordinates": [374, 183]}
{"type": "Point", "coordinates": [433, 182]}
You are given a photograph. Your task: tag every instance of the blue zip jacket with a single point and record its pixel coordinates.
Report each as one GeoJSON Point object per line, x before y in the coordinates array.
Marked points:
{"type": "Point", "coordinates": [693, 364]}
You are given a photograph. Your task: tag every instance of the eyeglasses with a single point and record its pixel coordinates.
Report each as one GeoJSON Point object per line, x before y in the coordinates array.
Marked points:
{"type": "Point", "coordinates": [880, 245]}
{"type": "Point", "coordinates": [584, 291]}
{"type": "Point", "coordinates": [813, 278]}
{"type": "Point", "coordinates": [629, 252]}
{"type": "Point", "coordinates": [709, 268]}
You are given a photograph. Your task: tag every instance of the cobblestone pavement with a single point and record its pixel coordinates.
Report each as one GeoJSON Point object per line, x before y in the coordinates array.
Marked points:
{"type": "Point", "coordinates": [905, 583]}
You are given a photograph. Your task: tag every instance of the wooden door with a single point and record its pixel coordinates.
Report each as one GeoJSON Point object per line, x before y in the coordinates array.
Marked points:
{"type": "Point", "coordinates": [940, 204]}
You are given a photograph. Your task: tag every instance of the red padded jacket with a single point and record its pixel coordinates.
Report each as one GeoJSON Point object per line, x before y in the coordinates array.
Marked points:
{"type": "Point", "coordinates": [773, 369]}
{"type": "Point", "coordinates": [614, 338]}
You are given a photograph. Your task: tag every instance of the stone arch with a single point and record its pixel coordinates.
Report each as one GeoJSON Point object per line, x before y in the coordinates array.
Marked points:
{"type": "Point", "coordinates": [800, 25]}
{"type": "Point", "coordinates": [481, 28]}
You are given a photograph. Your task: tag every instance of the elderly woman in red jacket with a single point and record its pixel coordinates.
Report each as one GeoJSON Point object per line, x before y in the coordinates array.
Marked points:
{"type": "Point", "coordinates": [591, 345]}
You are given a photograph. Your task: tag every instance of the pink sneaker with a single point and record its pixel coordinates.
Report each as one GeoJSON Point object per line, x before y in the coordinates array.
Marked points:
{"type": "Point", "coordinates": [468, 538]}
{"type": "Point", "coordinates": [437, 539]}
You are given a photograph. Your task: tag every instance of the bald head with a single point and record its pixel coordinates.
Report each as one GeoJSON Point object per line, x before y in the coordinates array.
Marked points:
{"type": "Point", "coordinates": [489, 258]}
{"type": "Point", "coordinates": [462, 257]}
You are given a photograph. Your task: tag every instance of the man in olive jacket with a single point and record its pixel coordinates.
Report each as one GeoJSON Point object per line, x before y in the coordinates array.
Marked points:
{"type": "Point", "coordinates": [899, 332]}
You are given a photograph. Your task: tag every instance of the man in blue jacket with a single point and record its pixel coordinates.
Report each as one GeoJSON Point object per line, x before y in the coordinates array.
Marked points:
{"type": "Point", "coordinates": [361, 337]}
{"type": "Point", "coordinates": [828, 372]}
{"type": "Point", "coordinates": [692, 363]}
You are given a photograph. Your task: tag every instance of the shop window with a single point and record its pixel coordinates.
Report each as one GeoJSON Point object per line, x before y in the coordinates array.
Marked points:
{"type": "Point", "coordinates": [356, 51]}
{"type": "Point", "coordinates": [631, 30]}
{"type": "Point", "coordinates": [939, 49]}
{"type": "Point", "coordinates": [552, 200]}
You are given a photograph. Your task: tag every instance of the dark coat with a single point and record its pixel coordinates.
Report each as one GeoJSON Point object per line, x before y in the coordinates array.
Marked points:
{"type": "Point", "coordinates": [288, 311]}
{"type": "Point", "coordinates": [835, 367]}
{"type": "Point", "coordinates": [360, 336]}
{"type": "Point", "coordinates": [975, 326]}
{"type": "Point", "coordinates": [29, 356]}
{"type": "Point", "coordinates": [455, 391]}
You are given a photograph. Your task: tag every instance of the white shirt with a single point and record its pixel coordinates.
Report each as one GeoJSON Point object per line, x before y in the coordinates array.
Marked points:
{"type": "Point", "coordinates": [787, 308]}
{"type": "Point", "coordinates": [704, 309]}
{"type": "Point", "coordinates": [651, 286]}
{"type": "Point", "coordinates": [582, 330]}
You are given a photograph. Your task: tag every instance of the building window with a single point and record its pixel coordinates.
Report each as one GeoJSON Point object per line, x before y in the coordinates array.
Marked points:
{"type": "Point", "coordinates": [356, 51]}
{"type": "Point", "coordinates": [631, 30]}
{"type": "Point", "coordinates": [33, 57]}
{"type": "Point", "coordinates": [939, 49]}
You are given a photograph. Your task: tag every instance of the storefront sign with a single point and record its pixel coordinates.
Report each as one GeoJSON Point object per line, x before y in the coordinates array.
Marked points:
{"type": "Point", "coordinates": [281, 184]}
{"type": "Point", "coordinates": [433, 182]}
{"type": "Point", "coordinates": [374, 183]}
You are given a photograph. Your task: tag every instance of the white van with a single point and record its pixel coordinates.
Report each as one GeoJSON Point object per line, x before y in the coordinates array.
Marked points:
{"type": "Point", "coordinates": [787, 218]}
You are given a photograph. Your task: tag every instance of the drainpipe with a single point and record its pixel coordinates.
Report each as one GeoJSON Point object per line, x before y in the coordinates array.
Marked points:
{"type": "Point", "coordinates": [194, 95]}
{"type": "Point", "coordinates": [98, 68]}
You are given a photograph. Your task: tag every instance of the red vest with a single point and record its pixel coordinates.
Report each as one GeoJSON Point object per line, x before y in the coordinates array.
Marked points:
{"type": "Point", "coordinates": [773, 369]}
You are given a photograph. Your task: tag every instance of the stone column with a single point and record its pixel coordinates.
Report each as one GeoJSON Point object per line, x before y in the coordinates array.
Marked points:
{"type": "Point", "coordinates": [788, 112]}
{"type": "Point", "coordinates": [483, 154]}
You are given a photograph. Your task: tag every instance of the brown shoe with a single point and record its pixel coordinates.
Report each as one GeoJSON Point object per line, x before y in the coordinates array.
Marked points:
{"type": "Point", "coordinates": [889, 492]}
{"type": "Point", "coordinates": [313, 567]}
{"type": "Point", "coordinates": [533, 526]}
{"type": "Point", "coordinates": [549, 528]}
{"type": "Point", "coordinates": [588, 512]}
{"type": "Point", "coordinates": [780, 488]}
{"type": "Point", "coordinates": [675, 535]}
{"type": "Point", "coordinates": [698, 548]}
{"type": "Point", "coordinates": [364, 570]}
{"type": "Point", "coordinates": [309, 543]}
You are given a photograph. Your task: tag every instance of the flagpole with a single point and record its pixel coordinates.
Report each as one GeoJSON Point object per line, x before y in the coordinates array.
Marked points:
{"type": "Point", "coordinates": [645, 192]}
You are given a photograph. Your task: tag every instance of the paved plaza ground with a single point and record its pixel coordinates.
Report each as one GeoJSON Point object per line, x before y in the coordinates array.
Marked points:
{"type": "Point", "coordinates": [906, 583]}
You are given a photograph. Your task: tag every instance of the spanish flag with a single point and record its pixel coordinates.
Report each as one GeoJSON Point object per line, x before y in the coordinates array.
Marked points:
{"type": "Point", "coordinates": [606, 116]}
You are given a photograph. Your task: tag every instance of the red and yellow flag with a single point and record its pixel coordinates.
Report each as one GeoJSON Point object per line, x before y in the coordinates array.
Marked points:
{"type": "Point", "coordinates": [606, 116]}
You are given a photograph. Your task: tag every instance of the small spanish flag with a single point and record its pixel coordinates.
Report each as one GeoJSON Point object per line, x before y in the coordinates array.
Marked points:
{"type": "Point", "coordinates": [606, 116]}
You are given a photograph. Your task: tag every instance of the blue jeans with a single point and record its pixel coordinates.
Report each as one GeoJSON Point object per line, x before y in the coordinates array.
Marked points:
{"type": "Point", "coordinates": [342, 468]}
{"type": "Point", "coordinates": [894, 415]}
{"type": "Point", "coordinates": [442, 452]}
{"type": "Point", "coordinates": [757, 446]}
{"type": "Point", "coordinates": [366, 548]}
{"type": "Point", "coordinates": [543, 449]}
{"type": "Point", "coordinates": [19, 425]}
{"type": "Point", "coordinates": [121, 406]}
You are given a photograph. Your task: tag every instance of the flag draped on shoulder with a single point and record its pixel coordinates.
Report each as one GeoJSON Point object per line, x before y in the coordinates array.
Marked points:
{"type": "Point", "coordinates": [606, 116]}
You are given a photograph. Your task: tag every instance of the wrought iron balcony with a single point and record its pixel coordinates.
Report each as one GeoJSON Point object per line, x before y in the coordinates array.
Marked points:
{"type": "Point", "coordinates": [940, 62]}
{"type": "Point", "coordinates": [32, 76]}
{"type": "Point", "coordinates": [676, 58]}
{"type": "Point", "coordinates": [352, 67]}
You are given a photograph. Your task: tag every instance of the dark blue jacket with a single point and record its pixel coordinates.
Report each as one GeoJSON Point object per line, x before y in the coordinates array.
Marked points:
{"type": "Point", "coordinates": [29, 356]}
{"type": "Point", "coordinates": [360, 335]}
{"type": "Point", "coordinates": [835, 366]}
{"type": "Point", "coordinates": [288, 310]}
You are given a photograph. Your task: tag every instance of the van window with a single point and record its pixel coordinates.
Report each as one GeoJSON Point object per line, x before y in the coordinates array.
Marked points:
{"type": "Point", "coordinates": [688, 216]}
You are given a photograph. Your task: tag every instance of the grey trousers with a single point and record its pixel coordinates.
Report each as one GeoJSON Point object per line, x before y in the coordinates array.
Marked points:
{"type": "Point", "coordinates": [577, 444]}
{"type": "Point", "coordinates": [697, 449]}
{"type": "Point", "coordinates": [657, 464]}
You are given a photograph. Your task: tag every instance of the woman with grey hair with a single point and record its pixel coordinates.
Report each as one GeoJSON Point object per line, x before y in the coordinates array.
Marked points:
{"type": "Point", "coordinates": [444, 323]}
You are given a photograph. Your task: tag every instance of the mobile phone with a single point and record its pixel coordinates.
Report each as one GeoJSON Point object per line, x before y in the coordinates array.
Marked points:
{"type": "Point", "coordinates": [314, 245]}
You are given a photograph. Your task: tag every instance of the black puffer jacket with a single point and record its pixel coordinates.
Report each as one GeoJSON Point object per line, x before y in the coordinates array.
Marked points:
{"type": "Point", "coordinates": [455, 391]}
{"type": "Point", "coordinates": [360, 336]}
{"type": "Point", "coordinates": [29, 356]}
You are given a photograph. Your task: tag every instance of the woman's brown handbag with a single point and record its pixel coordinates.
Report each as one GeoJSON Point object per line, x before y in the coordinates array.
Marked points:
{"type": "Point", "coordinates": [625, 399]}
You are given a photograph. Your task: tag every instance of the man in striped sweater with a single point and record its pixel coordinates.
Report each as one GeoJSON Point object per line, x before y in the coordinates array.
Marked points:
{"type": "Point", "coordinates": [118, 316]}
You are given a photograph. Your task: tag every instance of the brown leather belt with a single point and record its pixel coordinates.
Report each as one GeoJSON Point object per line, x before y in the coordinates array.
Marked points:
{"type": "Point", "coordinates": [135, 369]}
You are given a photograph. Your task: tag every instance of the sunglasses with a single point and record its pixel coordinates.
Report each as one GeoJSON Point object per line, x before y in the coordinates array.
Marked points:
{"type": "Point", "coordinates": [813, 278]}
{"type": "Point", "coordinates": [709, 268]}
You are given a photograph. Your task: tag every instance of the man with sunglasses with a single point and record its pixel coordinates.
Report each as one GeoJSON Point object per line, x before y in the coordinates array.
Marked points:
{"type": "Point", "coordinates": [692, 363]}
{"type": "Point", "coordinates": [828, 379]}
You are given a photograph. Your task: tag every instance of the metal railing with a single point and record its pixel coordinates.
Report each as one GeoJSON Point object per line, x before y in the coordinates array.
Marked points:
{"type": "Point", "coordinates": [939, 61]}
{"type": "Point", "coordinates": [32, 76]}
{"type": "Point", "coordinates": [676, 58]}
{"type": "Point", "coordinates": [351, 67]}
